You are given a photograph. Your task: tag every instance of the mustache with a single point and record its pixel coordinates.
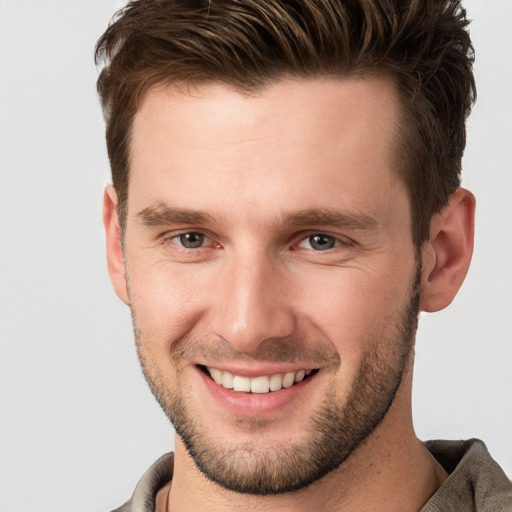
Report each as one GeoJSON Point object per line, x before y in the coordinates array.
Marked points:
{"type": "Point", "coordinates": [273, 350]}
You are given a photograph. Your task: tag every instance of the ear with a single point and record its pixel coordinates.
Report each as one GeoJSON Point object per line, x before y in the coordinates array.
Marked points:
{"type": "Point", "coordinates": [447, 255]}
{"type": "Point", "coordinates": [115, 259]}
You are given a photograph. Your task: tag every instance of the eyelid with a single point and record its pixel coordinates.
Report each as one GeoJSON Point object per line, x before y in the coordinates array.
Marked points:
{"type": "Point", "coordinates": [170, 236]}
{"type": "Point", "coordinates": [340, 240]}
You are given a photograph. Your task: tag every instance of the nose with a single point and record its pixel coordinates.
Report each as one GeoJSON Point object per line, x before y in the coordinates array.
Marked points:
{"type": "Point", "coordinates": [252, 302]}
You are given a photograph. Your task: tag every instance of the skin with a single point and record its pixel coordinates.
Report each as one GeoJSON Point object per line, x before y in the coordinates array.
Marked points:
{"type": "Point", "coordinates": [252, 163]}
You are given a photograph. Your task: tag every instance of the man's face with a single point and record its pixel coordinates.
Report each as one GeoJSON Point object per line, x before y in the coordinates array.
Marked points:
{"type": "Point", "coordinates": [268, 241]}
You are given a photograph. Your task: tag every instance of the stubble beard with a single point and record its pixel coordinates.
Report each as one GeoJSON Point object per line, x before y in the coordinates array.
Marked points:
{"type": "Point", "coordinates": [332, 434]}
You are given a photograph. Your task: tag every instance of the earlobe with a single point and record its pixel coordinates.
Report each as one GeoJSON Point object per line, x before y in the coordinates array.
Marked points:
{"type": "Point", "coordinates": [115, 259]}
{"type": "Point", "coordinates": [447, 255]}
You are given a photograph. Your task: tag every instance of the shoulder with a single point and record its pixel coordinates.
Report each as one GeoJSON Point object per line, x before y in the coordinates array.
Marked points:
{"type": "Point", "coordinates": [157, 476]}
{"type": "Point", "coordinates": [475, 481]}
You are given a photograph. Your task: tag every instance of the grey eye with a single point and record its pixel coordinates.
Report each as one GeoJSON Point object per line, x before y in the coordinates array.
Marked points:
{"type": "Point", "coordinates": [322, 242]}
{"type": "Point", "coordinates": [191, 240]}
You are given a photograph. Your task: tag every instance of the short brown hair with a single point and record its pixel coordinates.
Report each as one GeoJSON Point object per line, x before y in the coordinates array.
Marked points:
{"type": "Point", "coordinates": [422, 44]}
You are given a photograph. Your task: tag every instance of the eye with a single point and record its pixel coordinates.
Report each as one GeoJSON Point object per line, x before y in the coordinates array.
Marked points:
{"type": "Point", "coordinates": [319, 242]}
{"type": "Point", "coordinates": [191, 240]}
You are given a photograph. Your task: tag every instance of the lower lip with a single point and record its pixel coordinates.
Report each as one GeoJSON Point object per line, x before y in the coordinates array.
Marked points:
{"type": "Point", "coordinates": [254, 404]}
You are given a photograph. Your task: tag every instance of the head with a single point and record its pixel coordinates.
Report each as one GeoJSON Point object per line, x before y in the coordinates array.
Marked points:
{"type": "Point", "coordinates": [279, 186]}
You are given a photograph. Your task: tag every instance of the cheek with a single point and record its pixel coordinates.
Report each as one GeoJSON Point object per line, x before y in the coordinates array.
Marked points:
{"type": "Point", "coordinates": [165, 303]}
{"type": "Point", "coordinates": [353, 308]}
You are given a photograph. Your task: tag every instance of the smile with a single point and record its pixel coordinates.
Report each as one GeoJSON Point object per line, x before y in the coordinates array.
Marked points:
{"type": "Point", "coordinates": [261, 384]}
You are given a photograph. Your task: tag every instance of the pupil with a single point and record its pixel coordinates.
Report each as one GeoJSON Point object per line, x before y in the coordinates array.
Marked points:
{"type": "Point", "coordinates": [191, 240]}
{"type": "Point", "coordinates": [321, 242]}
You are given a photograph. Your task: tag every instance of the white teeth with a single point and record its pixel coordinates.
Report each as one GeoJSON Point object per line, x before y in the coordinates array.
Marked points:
{"type": "Point", "coordinates": [300, 375]}
{"type": "Point", "coordinates": [288, 379]}
{"type": "Point", "coordinates": [216, 375]}
{"type": "Point", "coordinates": [242, 384]}
{"type": "Point", "coordinates": [276, 382]}
{"type": "Point", "coordinates": [227, 380]}
{"type": "Point", "coordinates": [261, 385]}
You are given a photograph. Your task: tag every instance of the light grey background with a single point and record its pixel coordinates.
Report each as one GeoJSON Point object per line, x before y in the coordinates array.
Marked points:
{"type": "Point", "coordinates": [77, 425]}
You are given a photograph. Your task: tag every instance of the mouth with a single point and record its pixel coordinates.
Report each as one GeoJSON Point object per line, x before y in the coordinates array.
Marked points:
{"type": "Point", "coordinates": [260, 385]}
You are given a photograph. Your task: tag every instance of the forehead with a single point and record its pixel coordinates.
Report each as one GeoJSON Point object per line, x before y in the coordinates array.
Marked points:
{"type": "Point", "coordinates": [282, 145]}
{"type": "Point", "coordinates": [320, 110]}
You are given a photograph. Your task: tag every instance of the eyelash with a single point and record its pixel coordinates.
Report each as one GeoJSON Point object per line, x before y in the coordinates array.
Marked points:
{"type": "Point", "coordinates": [338, 241]}
{"type": "Point", "coordinates": [171, 238]}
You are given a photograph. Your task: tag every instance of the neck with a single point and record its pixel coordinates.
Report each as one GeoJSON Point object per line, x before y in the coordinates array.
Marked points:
{"type": "Point", "coordinates": [390, 471]}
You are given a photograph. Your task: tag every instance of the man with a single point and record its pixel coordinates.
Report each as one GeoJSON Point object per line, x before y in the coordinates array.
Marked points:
{"type": "Point", "coordinates": [285, 201]}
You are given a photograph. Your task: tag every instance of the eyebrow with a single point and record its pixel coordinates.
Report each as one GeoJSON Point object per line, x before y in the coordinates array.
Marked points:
{"type": "Point", "coordinates": [162, 214]}
{"type": "Point", "coordinates": [353, 220]}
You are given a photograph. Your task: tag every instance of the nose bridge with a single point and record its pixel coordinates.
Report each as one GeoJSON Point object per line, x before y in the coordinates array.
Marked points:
{"type": "Point", "coordinates": [253, 306]}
